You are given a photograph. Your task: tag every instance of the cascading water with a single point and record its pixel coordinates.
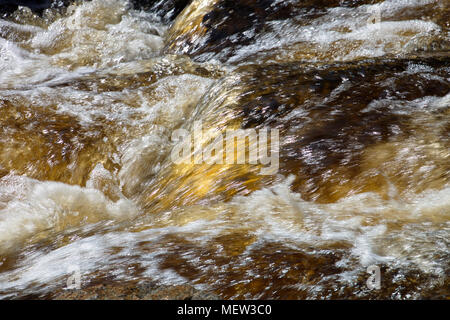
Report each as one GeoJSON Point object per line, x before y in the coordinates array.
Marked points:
{"type": "Point", "coordinates": [92, 92]}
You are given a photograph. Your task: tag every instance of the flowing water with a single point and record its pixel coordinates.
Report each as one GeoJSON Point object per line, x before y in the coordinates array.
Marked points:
{"type": "Point", "coordinates": [91, 94]}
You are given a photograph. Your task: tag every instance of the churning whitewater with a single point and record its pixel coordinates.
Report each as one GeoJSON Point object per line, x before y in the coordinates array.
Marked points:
{"type": "Point", "coordinates": [92, 93]}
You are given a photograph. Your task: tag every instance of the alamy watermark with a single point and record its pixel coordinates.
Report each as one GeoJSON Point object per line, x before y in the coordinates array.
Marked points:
{"type": "Point", "coordinates": [241, 146]}
{"type": "Point", "coordinates": [74, 272]}
{"type": "Point", "coordinates": [74, 280]}
{"type": "Point", "coordinates": [375, 17]}
{"type": "Point", "coordinates": [374, 281]}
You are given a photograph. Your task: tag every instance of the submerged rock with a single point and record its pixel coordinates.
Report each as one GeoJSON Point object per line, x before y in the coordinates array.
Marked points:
{"type": "Point", "coordinates": [130, 291]}
{"type": "Point", "coordinates": [345, 128]}
{"type": "Point", "coordinates": [218, 28]}
{"type": "Point", "coordinates": [331, 117]}
{"type": "Point", "coordinates": [37, 6]}
{"type": "Point", "coordinates": [167, 9]}
{"type": "Point", "coordinates": [268, 31]}
{"type": "Point", "coordinates": [9, 6]}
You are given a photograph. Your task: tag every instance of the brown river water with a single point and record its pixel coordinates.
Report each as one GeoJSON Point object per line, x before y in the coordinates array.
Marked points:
{"type": "Point", "coordinates": [91, 94]}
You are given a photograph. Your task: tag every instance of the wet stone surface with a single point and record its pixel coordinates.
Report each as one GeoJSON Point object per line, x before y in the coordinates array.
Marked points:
{"type": "Point", "coordinates": [120, 291]}
{"type": "Point", "coordinates": [327, 113]}
{"type": "Point", "coordinates": [167, 9]}
{"type": "Point", "coordinates": [228, 25]}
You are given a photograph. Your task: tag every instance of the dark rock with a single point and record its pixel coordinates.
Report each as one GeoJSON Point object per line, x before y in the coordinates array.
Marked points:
{"type": "Point", "coordinates": [227, 25]}
{"type": "Point", "coordinates": [324, 146]}
{"type": "Point", "coordinates": [37, 6]}
{"type": "Point", "coordinates": [166, 9]}
{"type": "Point", "coordinates": [9, 6]}
{"type": "Point", "coordinates": [340, 126]}
{"type": "Point", "coordinates": [133, 291]}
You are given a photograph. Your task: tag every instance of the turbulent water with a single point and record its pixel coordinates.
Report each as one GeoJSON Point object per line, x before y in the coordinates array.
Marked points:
{"type": "Point", "coordinates": [91, 94]}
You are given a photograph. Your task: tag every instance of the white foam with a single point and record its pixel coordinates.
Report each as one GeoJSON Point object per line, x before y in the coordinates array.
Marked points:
{"type": "Point", "coordinates": [361, 39]}
{"type": "Point", "coordinates": [52, 206]}
{"type": "Point", "coordinates": [175, 101]}
{"type": "Point", "coordinates": [95, 34]}
{"type": "Point", "coordinates": [274, 214]}
{"type": "Point", "coordinates": [280, 215]}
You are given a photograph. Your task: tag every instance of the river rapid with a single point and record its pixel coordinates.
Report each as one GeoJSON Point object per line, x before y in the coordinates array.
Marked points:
{"type": "Point", "coordinates": [92, 92]}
